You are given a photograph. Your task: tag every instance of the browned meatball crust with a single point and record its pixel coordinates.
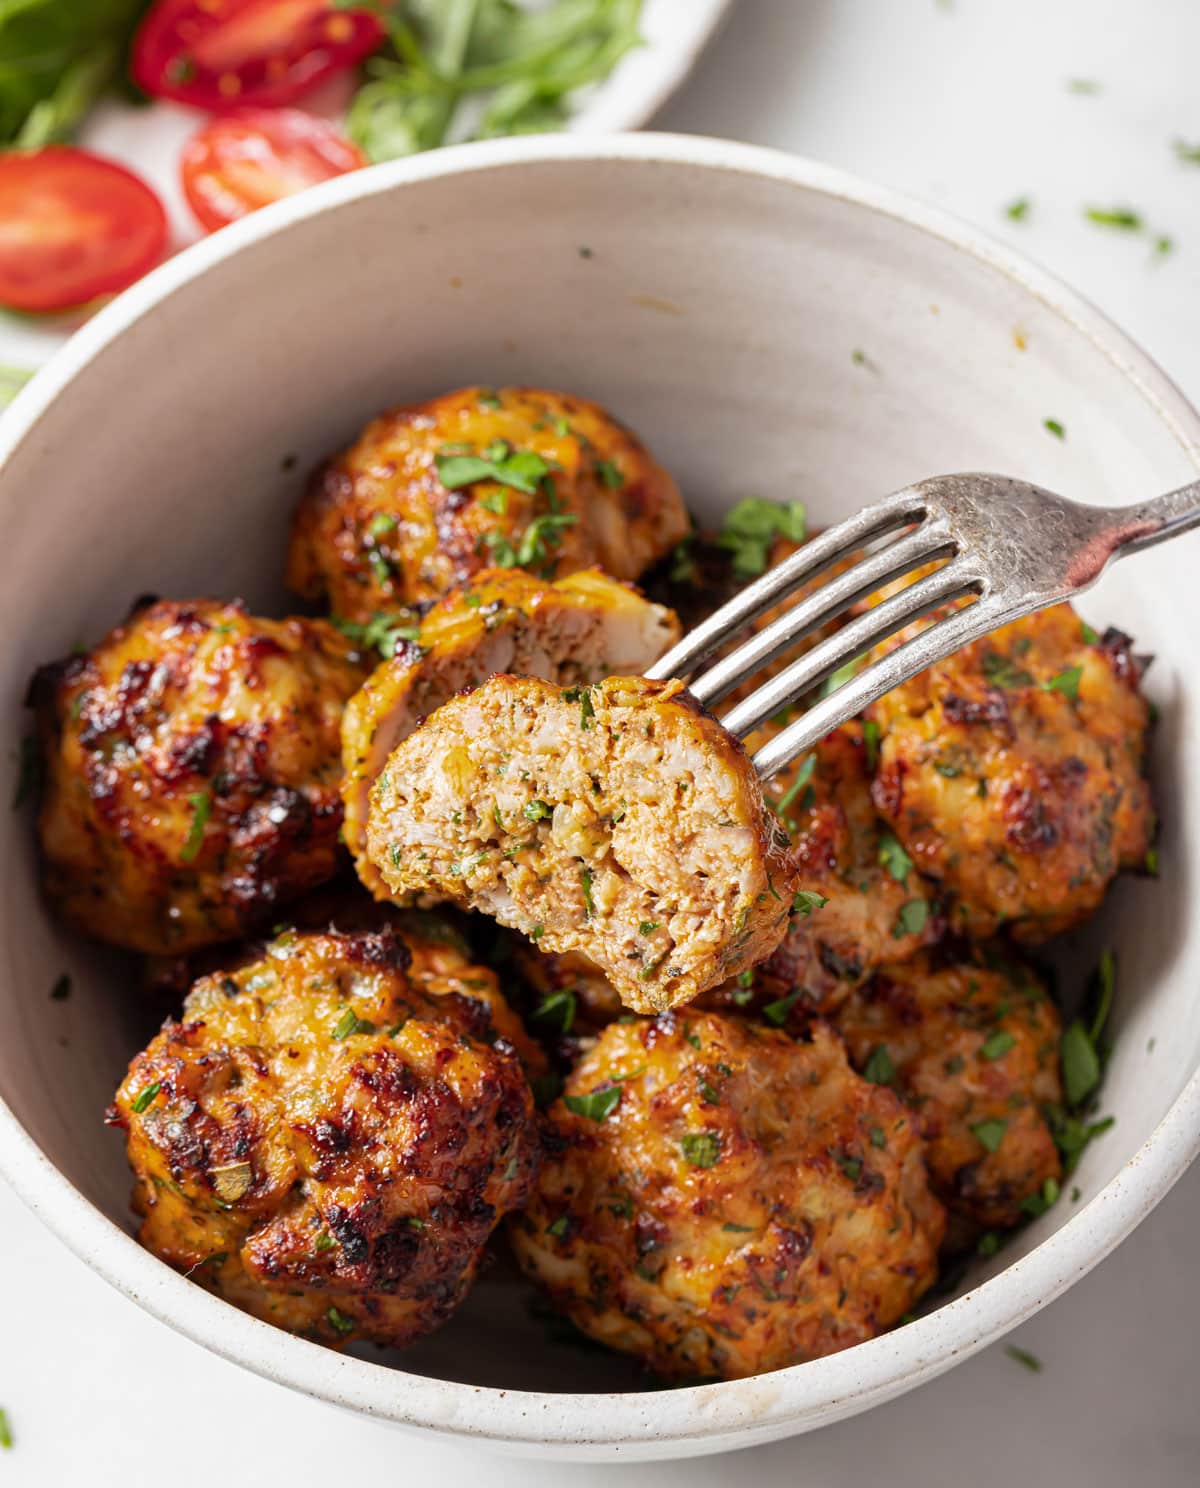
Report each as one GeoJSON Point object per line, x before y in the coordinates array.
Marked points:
{"type": "Point", "coordinates": [1012, 772]}
{"type": "Point", "coordinates": [720, 1200]}
{"type": "Point", "coordinates": [192, 762]}
{"type": "Point", "coordinates": [327, 1143]}
{"type": "Point", "coordinates": [392, 521]}
{"type": "Point", "coordinates": [619, 819]}
{"type": "Point", "coordinates": [975, 1050]}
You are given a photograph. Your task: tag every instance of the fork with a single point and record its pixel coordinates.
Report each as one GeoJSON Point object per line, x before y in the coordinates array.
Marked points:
{"type": "Point", "coordinates": [1015, 547]}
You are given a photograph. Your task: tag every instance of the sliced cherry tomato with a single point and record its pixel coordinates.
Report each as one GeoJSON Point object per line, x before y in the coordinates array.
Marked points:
{"type": "Point", "coordinates": [73, 226]}
{"type": "Point", "coordinates": [220, 54]}
{"type": "Point", "coordinates": [240, 162]}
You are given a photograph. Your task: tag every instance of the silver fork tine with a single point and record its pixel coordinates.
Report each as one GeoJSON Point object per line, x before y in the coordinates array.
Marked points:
{"type": "Point", "coordinates": [929, 540]}
{"type": "Point", "coordinates": [940, 640]}
{"type": "Point", "coordinates": [958, 577]}
{"type": "Point", "coordinates": [778, 582]}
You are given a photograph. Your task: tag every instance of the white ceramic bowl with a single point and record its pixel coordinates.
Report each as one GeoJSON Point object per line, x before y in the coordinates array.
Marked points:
{"type": "Point", "coordinates": [714, 296]}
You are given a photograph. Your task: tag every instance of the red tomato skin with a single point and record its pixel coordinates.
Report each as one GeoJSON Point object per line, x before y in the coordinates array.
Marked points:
{"type": "Point", "coordinates": [177, 47]}
{"type": "Point", "coordinates": [250, 139]}
{"type": "Point", "coordinates": [91, 228]}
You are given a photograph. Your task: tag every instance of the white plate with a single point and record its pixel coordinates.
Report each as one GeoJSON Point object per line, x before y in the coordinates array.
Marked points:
{"type": "Point", "coordinates": [149, 139]}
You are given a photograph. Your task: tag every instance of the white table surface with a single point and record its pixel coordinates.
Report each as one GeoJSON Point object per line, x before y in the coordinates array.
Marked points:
{"type": "Point", "coordinates": [965, 104]}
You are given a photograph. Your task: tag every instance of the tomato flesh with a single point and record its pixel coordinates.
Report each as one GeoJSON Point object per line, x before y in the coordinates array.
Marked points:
{"type": "Point", "coordinates": [242, 161]}
{"type": "Point", "coordinates": [223, 54]}
{"type": "Point", "coordinates": [73, 226]}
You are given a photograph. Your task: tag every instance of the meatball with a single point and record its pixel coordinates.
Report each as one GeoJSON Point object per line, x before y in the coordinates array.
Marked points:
{"type": "Point", "coordinates": [720, 1200]}
{"type": "Point", "coordinates": [974, 1049]}
{"type": "Point", "coordinates": [192, 764]}
{"type": "Point", "coordinates": [1012, 773]}
{"type": "Point", "coordinates": [578, 629]}
{"type": "Point", "coordinates": [517, 477]}
{"type": "Point", "coordinates": [326, 1142]}
{"type": "Point", "coordinates": [876, 907]}
{"type": "Point", "coordinates": [618, 819]}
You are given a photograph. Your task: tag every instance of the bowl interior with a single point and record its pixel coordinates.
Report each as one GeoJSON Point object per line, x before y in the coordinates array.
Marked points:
{"type": "Point", "coordinates": [765, 337]}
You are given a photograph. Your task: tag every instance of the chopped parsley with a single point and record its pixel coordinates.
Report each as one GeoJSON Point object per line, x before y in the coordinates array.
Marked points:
{"type": "Point", "coordinates": [1079, 1049]}
{"type": "Point", "coordinates": [1089, 636]}
{"type": "Point", "coordinates": [597, 1105]}
{"type": "Point", "coordinates": [585, 882]}
{"type": "Point", "coordinates": [1124, 218]}
{"type": "Point", "coordinates": [1035, 1204]}
{"type": "Point", "coordinates": [879, 1068]}
{"type": "Point", "coordinates": [381, 524]}
{"type": "Point", "coordinates": [871, 733]}
{"type": "Point", "coordinates": [383, 632]}
{"type": "Point", "coordinates": [751, 527]}
{"type": "Point", "coordinates": [1185, 152]}
{"type": "Point", "coordinates": [1024, 1358]}
{"type": "Point", "coordinates": [996, 1045]}
{"type": "Point", "coordinates": [851, 1166]}
{"type": "Point", "coordinates": [701, 1149]}
{"type": "Point", "coordinates": [201, 804]}
{"type": "Point", "coordinates": [911, 919]}
{"type": "Point", "coordinates": [6, 1436]}
{"type": "Point", "coordinates": [990, 1133]}
{"type": "Point", "coordinates": [1067, 682]}
{"type": "Point", "coordinates": [542, 534]}
{"type": "Point", "coordinates": [559, 1227]}
{"type": "Point", "coordinates": [1053, 426]}
{"type": "Point", "coordinates": [1018, 210]}
{"type": "Point", "coordinates": [521, 470]}
{"type": "Point", "coordinates": [537, 811]}
{"type": "Point", "coordinates": [777, 1012]}
{"type": "Point", "coordinates": [804, 901]}
{"type": "Point", "coordinates": [545, 1088]}
{"type": "Point", "coordinates": [324, 1241]}
{"type": "Point", "coordinates": [893, 857]}
{"type": "Point", "coordinates": [803, 776]}
{"type": "Point", "coordinates": [143, 1098]}
{"type": "Point", "coordinates": [648, 927]}
{"type": "Point", "coordinates": [557, 1009]}
{"type": "Point", "coordinates": [609, 474]}
{"type": "Point", "coordinates": [339, 1322]}
{"type": "Point", "coordinates": [1002, 671]}
{"type": "Point", "coordinates": [582, 696]}
{"type": "Point", "coordinates": [350, 1023]}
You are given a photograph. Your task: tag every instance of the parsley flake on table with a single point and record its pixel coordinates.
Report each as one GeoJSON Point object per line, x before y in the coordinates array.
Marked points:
{"type": "Point", "coordinates": [1018, 210]}
{"type": "Point", "coordinates": [1024, 1358]}
{"type": "Point", "coordinates": [1123, 218]}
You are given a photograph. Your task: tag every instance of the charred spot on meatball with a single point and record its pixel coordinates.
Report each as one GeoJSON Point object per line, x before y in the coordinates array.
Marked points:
{"type": "Point", "coordinates": [326, 1138]}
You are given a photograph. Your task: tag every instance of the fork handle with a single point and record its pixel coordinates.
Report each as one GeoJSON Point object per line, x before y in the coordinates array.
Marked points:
{"type": "Point", "coordinates": [1138, 527]}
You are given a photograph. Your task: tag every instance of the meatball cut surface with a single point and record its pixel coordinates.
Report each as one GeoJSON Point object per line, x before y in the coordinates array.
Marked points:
{"type": "Point", "coordinates": [719, 1200]}
{"type": "Point", "coordinates": [620, 820]}
{"type": "Point", "coordinates": [191, 765]}
{"type": "Point", "coordinates": [517, 477]}
{"type": "Point", "coordinates": [325, 1143]}
{"type": "Point", "coordinates": [975, 1050]}
{"type": "Point", "coordinates": [577, 629]}
{"type": "Point", "coordinates": [1012, 773]}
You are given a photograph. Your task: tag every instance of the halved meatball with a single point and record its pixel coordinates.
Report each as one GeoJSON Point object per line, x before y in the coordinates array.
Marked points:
{"type": "Point", "coordinates": [516, 477]}
{"type": "Point", "coordinates": [191, 765]}
{"type": "Point", "coordinates": [974, 1049]}
{"type": "Point", "coordinates": [577, 629]}
{"type": "Point", "coordinates": [719, 1199]}
{"type": "Point", "coordinates": [325, 1143]}
{"type": "Point", "coordinates": [618, 819]}
{"type": "Point", "coordinates": [1012, 773]}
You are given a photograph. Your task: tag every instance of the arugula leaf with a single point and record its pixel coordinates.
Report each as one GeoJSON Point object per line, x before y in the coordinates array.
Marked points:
{"type": "Point", "coordinates": [54, 60]}
{"type": "Point", "coordinates": [509, 69]}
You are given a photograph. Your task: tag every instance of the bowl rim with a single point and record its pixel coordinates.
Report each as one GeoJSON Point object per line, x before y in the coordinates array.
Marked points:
{"type": "Point", "coordinates": [765, 1405]}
